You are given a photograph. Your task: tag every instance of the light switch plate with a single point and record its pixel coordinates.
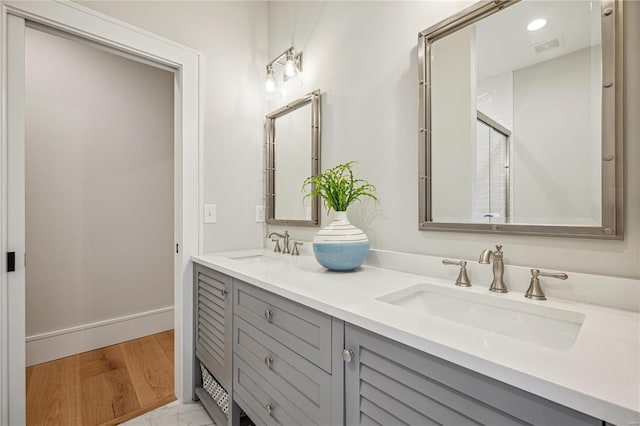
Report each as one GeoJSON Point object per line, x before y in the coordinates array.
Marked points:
{"type": "Point", "coordinates": [259, 214]}
{"type": "Point", "coordinates": [210, 213]}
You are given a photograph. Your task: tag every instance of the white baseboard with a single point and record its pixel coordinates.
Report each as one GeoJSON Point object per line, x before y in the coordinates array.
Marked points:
{"type": "Point", "coordinates": [70, 341]}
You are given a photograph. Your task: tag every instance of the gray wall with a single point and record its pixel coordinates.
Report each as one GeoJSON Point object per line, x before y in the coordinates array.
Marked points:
{"type": "Point", "coordinates": [99, 170]}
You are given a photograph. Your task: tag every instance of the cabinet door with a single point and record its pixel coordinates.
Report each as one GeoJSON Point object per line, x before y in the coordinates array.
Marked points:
{"type": "Point", "coordinates": [387, 383]}
{"type": "Point", "coordinates": [213, 328]}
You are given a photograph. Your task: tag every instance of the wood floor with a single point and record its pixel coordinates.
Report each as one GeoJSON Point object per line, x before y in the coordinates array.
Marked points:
{"type": "Point", "coordinates": [103, 387]}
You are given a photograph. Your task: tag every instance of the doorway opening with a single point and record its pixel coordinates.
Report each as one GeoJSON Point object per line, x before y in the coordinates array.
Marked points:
{"type": "Point", "coordinates": [99, 173]}
{"type": "Point", "coordinates": [89, 25]}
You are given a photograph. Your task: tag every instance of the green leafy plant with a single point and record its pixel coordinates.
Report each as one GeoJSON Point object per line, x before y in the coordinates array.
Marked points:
{"type": "Point", "coordinates": [337, 187]}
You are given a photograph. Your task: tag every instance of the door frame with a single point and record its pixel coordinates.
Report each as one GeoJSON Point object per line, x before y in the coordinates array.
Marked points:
{"type": "Point", "coordinates": [188, 124]}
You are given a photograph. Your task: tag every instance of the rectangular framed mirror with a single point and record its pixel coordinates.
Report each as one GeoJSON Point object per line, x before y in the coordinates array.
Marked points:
{"type": "Point", "coordinates": [520, 119]}
{"type": "Point", "coordinates": [292, 155]}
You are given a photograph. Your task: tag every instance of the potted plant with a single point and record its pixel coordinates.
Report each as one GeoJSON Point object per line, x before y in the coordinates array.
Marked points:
{"type": "Point", "coordinates": [339, 246]}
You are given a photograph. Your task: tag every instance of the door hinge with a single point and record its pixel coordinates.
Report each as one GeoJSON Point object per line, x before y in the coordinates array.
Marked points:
{"type": "Point", "coordinates": [177, 248]}
{"type": "Point", "coordinates": [11, 261]}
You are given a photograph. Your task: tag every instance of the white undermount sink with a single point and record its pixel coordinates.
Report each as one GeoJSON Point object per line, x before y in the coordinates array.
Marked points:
{"type": "Point", "coordinates": [533, 322]}
{"type": "Point", "coordinates": [258, 258]}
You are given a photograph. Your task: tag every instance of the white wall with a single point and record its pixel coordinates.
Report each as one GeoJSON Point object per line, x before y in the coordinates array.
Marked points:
{"type": "Point", "coordinates": [99, 170]}
{"type": "Point", "coordinates": [292, 163]}
{"type": "Point", "coordinates": [554, 159]}
{"type": "Point", "coordinates": [453, 82]}
{"type": "Point", "coordinates": [495, 98]}
{"type": "Point", "coordinates": [232, 37]}
{"type": "Point", "coordinates": [362, 55]}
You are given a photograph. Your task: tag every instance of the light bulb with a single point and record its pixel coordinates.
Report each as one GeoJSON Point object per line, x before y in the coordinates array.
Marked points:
{"type": "Point", "coordinates": [536, 24]}
{"type": "Point", "coordinates": [290, 67]}
{"type": "Point", "coordinates": [271, 84]}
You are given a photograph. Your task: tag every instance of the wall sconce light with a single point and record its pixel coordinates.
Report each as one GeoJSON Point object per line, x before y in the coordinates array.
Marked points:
{"type": "Point", "coordinates": [271, 85]}
{"type": "Point", "coordinates": [291, 64]}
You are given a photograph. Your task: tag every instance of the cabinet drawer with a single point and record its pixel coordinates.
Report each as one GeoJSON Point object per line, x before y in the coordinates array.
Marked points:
{"type": "Point", "coordinates": [305, 385]}
{"type": "Point", "coordinates": [305, 331]}
{"type": "Point", "coordinates": [260, 400]}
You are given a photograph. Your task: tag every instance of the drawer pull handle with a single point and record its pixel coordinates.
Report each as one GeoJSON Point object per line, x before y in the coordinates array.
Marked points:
{"type": "Point", "coordinates": [268, 314]}
{"type": "Point", "coordinates": [223, 292]}
{"type": "Point", "coordinates": [347, 355]}
{"type": "Point", "coordinates": [268, 361]}
{"type": "Point", "coordinates": [269, 408]}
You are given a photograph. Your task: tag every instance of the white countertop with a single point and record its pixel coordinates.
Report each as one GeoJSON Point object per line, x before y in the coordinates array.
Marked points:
{"type": "Point", "coordinates": [599, 375]}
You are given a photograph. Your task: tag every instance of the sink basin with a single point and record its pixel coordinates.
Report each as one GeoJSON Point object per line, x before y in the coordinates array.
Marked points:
{"type": "Point", "coordinates": [257, 259]}
{"type": "Point", "coordinates": [547, 326]}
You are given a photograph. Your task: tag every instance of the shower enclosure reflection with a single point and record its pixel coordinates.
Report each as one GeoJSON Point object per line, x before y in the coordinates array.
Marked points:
{"type": "Point", "coordinates": [491, 192]}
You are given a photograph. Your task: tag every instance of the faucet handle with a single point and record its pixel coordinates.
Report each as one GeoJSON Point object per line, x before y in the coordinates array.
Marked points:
{"type": "Point", "coordinates": [463, 278]}
{"type": "Point", "coordinates": [558, 275]}
{"type": "Point", "coordinates": [535, 292]}
{"type": "Point", "coordinates": [498, 247]}
{"type": "Point", "coordinates": [294, 251]}
{"type": "Point", "coordinates": [276, 247]}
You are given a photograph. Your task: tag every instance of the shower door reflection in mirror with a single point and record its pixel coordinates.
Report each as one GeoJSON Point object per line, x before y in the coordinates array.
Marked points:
{"type": "Point", "coordinates": [491, 179]}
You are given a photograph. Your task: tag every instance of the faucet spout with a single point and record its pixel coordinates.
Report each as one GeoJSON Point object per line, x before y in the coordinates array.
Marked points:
{"type": "Point", "coordinates": [285, 237]}
{"type": "Point", "coordinates": [486, 257]}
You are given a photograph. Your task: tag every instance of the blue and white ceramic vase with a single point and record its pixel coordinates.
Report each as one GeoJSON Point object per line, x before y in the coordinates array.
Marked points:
{"type": "Point", "coordinates": [340, 246]}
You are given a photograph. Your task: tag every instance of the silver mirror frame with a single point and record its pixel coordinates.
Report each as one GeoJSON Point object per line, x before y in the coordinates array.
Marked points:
{"type": "Point", "coordinates": [612, 128]}
{"type": "Point", "coordinates": [312, 98]}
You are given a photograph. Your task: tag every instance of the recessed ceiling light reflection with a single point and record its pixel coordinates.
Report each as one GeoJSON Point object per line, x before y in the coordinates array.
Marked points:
{"type": "Point", "coordinates": [536, 24]}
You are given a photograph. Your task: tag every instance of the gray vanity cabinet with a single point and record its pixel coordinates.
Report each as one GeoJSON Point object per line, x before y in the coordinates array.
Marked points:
{"type": "Point", "coordinates": [387, 383]}
{"type": "Point", "coordinates": [213, 328]}
{"type": "Point", "coordinates": [284, 363]}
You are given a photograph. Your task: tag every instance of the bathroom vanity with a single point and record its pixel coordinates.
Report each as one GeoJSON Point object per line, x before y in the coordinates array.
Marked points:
{"type": "Point", "coordinates": [293, 343]}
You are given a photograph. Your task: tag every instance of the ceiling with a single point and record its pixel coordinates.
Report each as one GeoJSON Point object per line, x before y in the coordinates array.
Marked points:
{"type": "Point", "coordinates": [504, 43]}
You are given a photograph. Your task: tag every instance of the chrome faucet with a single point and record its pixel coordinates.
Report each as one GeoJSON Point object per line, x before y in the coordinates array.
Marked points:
{"type": "Point", "coordinates": [497, 285]}
{"type": "Point", "coordinates": [285, 237]}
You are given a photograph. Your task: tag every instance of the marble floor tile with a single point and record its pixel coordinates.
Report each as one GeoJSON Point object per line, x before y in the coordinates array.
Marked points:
{"type": "Point", "coordinates": [174, 414]}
